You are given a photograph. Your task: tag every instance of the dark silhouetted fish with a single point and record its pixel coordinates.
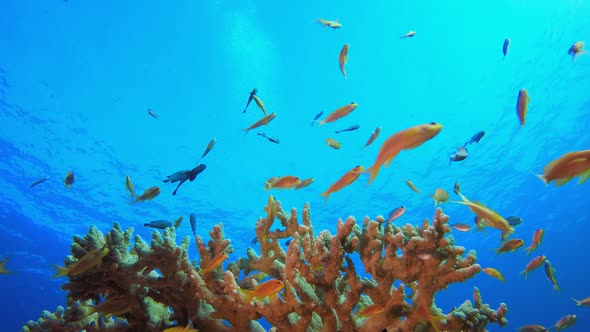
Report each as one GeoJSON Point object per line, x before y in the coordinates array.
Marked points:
{"type": "Point", "coordinates": [506, 46]}
{"type": "Point", "coordinates": [252, 94]}
{"type": "Point", "coordinates": [161, 224]}
{"type": "Point", "coordinates": [317, 116]}
{"type": "Point", "coordinates": [514, 221]}
{"type": "Point", "coordinates": [41, 180]}
{"type": "Point", "coordinates": [182, 176]}
{"type": "Point", "coordinates": [351, 128]}
{"type": "Point", "coordinates": [193, 220]}
{"type": "Point", "coordinates": [461, 154]}
{"type": "Point", "coordinates": [475, 138]}
{"type": "Point", "coordinates": [254, 241]}
{"type": "Point", "coordinates": [272, 139]}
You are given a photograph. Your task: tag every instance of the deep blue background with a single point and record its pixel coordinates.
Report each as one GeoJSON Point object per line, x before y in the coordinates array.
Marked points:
{"type": "Point", "coordinates": [78, 77]}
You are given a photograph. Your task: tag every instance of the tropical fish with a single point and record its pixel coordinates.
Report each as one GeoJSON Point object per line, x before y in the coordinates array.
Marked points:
{"type": "Point", "coordinates": [317, 116]}
{"type": "Point", "coordinates": [87, 262]}
{"type": "Point", "coordinates": [209, 147]}
{"type": "Point", "coordinates": [332, 24]}
{"type": "Point", "coordinates": [479, 223]}
{"type": "Point", "coordinates": [129, 186]}
{"type": "Point", "coordinates": [475, 138]}
{"type": "Point", "coordinates": [152, 113]}
{"type": "Point", "coordinates": [259, 103]}
{"type": "Point", "coordinates": [459, 155]}
{"type": "Point", "coordinates": [550, 273]}
{"type": "Point", "coordinates": [522, 106]}
{"type": "Point", "coordinates": [69, 179]}
{"type": "Point", "coordinates": [576, 49]}
{"type": "Point", "coordinates": [160, 224]}
{"type": "Point", "coordinates": [370, 310]}
{"type": "Point", "coordinates": [461, 227]}
{"type": "Point", "coordinates": [412, 186]}
{"type": "Point", "coordinates": [373, 136]}
{"type": "Point", "coordinates": [38, 181]}
{"type": "Point", "coordinates": [396, 213]}
{"type": "Point", "coordinates": [268, 184]}
{"type": "Point", "coordinates": [178, 221]}
{"type": "Point", "coordinates": [272, 139]}
{"type": "Point", "coordinates": [340, 113]}
{"type": "Point", "coordinates": [252, 94]}
{"type": "Point", "coordinates": [514, 221]}
{"type": "Point", "coordinates": [564, 322]}
{"type": "Point", "coordinates": [285, 182]}
{"type": "Point", "coordinates": [112, 305]}
{"type": "Point", "coordinates": [403, 140]}
{"type": "Point", "coordinates": [334, 144]}
{"type": "Point", "coordinates": [506, 46]}
{"type": "Point", "coordinates": [181, 329]}
{"type": "Point", "coordinates": [510, 246]}
{"type": "Point", "coordinates": [493, 273]}
{"type": "Point", "coordinates": [304, 183]}
{"type": "Point", "coordinates": [265, 289]}
{"type": "Point", "coordinates": [457, 187]}
{"type": "Point", "coordinates": [533, 328]}
{"type": "Point", "coordinates": [344, 181]}
{"type": "Point", "coordinates": [262, 122]}
{"type": "Point", "coordinates": [566, 167]}
{"type": "Point", "coordinates": [254, 241]}
{"type": "Point", "coordinates": [213, 263]}
{"type": "Point", "coordinates": [440, 196]}
{"type": "Point", "coordinates": [491, 217]}
{"type": "Point", "coordinates": [533, 264]}
{"type": "Point", "coordinates": [193, 221]}
{"type": "Point", "coordinates": [183, 176]}
{"type": "Point", "coordinates": [351, 128]}
{"type": "Point", "coordinates": [537, 239]}
{"type": "Point", "coordinates": [3, 269]}
{"type": "Point", "coordinates": [409, 34]}
{"type": "Point", "coordinates": [584, 302]}
{"type": "Point", "coordinates": [149, 194]}
{"type": "Point", "coordinates": [342, 58]}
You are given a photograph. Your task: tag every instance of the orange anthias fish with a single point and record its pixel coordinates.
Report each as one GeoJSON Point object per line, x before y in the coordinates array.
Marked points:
{"type": "Point", "coordinates": [262, 122]}
{"type": "Point", "coordinates": [181, 329]}
{"type": "Point", "coordinates": [566, 167]}
{"type": "Point", "coordinates": [533, 264]}
{"type": "Point", "coordinates": [576, 49]}
{"type": "Point", "coordinates": [494, 273]}
{"type": "Point", "coordinates": [285, 182]}
{"type": "Point", "coordinates": [412, 186]}
{"type": "Point", "coordinates": [564, 322]}
{"type": "Point", "coordinates": [344, 181]}
{"type": "Point", "coordinates": [342, 58]}
{"type": "Point", "coordinates": [340, 113]}
{"type": "Point", "coordinates": [491, 217]}
{"type": "Point", "coordinates": [265, 289]}
{"type": "Point", "coordinates": [371, 310]}
{"type": "Point", "coordinates": [332, 24]}
{"type": "Point", "coordinates": [213, 263]}
{"type": "Point", "coordinates": [522, 106]}
{"type": "Point", "coordinates": [440, 196]}
{"type": "Point", "coordinates": [149, 194]}
{"type": "Point", "coordinates": [87, 262]}
{"type": "Point", "coordinates": [537, 239]}
{"type": "Point", "coordinates": [334, 144]}
{"type": "Point", "coordinates": [69, 179]}
{"type": "Point", "coordinates": [403, 140]}
{"type": "Point", "coordinates": [373, 137]}
{"type": "Point", "coordinates": [396, 213]}
{"type": "Point", "coordinates": [510, 246]}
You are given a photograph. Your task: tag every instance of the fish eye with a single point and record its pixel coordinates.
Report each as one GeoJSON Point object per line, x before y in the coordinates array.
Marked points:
{"type": "Point", "coordinates": [433, 123]}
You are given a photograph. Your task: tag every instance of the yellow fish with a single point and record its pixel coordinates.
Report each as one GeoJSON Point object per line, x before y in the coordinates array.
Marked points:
{"type": "Point", "coordinates": [412, 186]}
{"type": "Point", "coordinates": [494, 273]}
{"type": "Point", "coordinates": [340, 113]}
{"type": "Point", "coordinates": [440, 196]}
{"type": "Point", "coordinates": [181, 329]}
{"type": "Point", "coordinates": [129, 186]}
{"type": "Point", "coordinates": [265, 289]}
{"type": "Point", "coordinates": [262, 122]}
{"type": "Point", "coordinates": [213, 264]}
{"type": "Point", "coordinates": [491, 217]}
{"type": "Point", "coordinates": [149, 194]}
{"type": "Point", "coordinates": [342, 58]}
{"type": "Point", "coordinates": [334, 144]}
{"type": "Point", "coordinates": [86, 263]}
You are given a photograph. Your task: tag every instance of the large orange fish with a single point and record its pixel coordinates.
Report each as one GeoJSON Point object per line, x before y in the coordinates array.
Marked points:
{"type": "Point", "coordinates": [522, 106]}
{"type": "Point", "coordinates": [340, 113]}
{"type": "Point", "coordinates": [265, 289]}
{"type": "Point", "coordinates": [262, 122]}
{"type": "Point", "coordinates": [403, 140]}
{"type": "Point", "coordinates": [344, 181]}
{"type": "Point", "coordinates": [342, 58]}
{"type": "Point", "coordinates": [566, 167]}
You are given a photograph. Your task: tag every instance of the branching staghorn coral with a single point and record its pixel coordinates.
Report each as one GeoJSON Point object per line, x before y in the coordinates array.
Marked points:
{"type": "Point", "coordinates": [407, 265]}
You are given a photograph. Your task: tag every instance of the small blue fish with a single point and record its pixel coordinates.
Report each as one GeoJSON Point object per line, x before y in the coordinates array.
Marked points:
{"type": "Point", "coordinates": [41, 180]}
{"type": "Point", "coordinates": [288, 242]}
{"type": "Point", "coordinates": [317, 116]}
{"type": "Point", "coordinates": [193, 223]}
{"type": "Point", "coordinates": [506, 46]}
{"type": "Point", "coordinates": [252, 94]}
{"type": "Point", "coordinates": [161, 224]}
{"type": "Point", "coordinates": [514, 221]}
{"type": "Point", "coordinates": [351, 128]}
{"type": "Point", "coordinates": [475, 138]}
{"type": "Point", "coordinates": [254, 241]}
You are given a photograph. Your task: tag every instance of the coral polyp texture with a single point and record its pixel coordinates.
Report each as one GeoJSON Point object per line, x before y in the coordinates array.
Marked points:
{"type": "Point", "coordinates": [141, 287]}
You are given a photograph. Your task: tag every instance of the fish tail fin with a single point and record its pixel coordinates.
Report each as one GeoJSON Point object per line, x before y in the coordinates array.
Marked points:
{"type": "Point", "coordinates": [543, 178]}
{"type": "Point", "coordinates": [578, 302]}
{"type": "Point", "coordinates": [321, 122]}
{"type": "Point", "coordinates": [60, 271]}
{"type": "Point", "coordinates": [326, 194]}
{"type": "Point", "coordinates": [525, 274]}
{"type": "Point", "coordinates": [556, 288]}
{"type": "Point", "coordinates": [248, 294]}
{"type": "Point", "coordinates": [373, 171]}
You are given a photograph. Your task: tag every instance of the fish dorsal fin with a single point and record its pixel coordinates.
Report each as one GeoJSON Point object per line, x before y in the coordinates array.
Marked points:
{"type": "Point", "coordinates": [561, 182]}
{"type": "Point", "coordinates": [577, 160]}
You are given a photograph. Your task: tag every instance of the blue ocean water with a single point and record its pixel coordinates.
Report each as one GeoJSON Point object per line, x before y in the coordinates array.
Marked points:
{"type": "Point", "coordinates": [77, 78]}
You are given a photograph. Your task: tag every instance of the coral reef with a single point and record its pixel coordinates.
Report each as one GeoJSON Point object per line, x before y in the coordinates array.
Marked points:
{"type": "Point", "coordinates": [152, 287]}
